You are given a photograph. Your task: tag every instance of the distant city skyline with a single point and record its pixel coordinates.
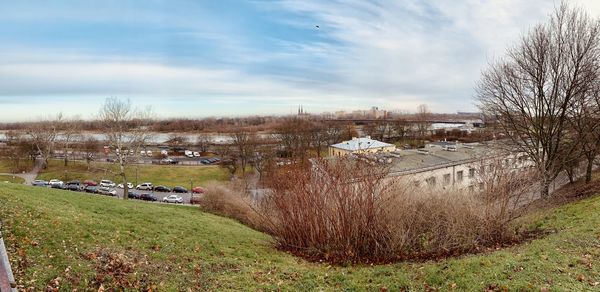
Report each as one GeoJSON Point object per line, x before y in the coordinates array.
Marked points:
{"type": "Point", "coordinates": [241, 58]}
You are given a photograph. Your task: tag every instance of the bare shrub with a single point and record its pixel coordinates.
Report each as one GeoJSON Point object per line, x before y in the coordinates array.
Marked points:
{"type": "Point", "coordinates": [348, 210]}
{"type": "Point", "coordinates": [230, 201]}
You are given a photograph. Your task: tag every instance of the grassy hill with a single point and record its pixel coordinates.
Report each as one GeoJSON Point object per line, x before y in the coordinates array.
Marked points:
{"type": "Point", "coordinates": [67, 239]}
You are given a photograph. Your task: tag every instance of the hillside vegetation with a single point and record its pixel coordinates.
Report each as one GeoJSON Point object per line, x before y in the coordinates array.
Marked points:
{"type": "Point", "coordinates": [64, 239]}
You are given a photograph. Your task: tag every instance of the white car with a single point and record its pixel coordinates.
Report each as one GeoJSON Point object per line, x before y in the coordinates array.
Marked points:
{"type": "Point", "coordinates": [55, 182]}
{"type": "Point", "coordinates": [145, 186]}
{"type": "Point", "coordinates": [173, 199]}
{"type": "Point", "coordinates": [189, 153]}
{"type": "Point", "coordinates": [107, 183]}
{"type": "Point", "coordinates": [129, 186]}
{"type": "Point", "coordinates": [149, 153]}
{"type": "Point", "coordinates": [164, 152]}
{"type": "Point", "coordinates": [196, 154]}
{"type": "Point", "coordinates": [107, 191]}
{"type": "Point", "coordinates": [142, 153]}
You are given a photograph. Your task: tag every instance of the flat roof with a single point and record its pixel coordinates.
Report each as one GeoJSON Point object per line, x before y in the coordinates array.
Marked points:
{"type": "Point", "coordinates": [361, 144]}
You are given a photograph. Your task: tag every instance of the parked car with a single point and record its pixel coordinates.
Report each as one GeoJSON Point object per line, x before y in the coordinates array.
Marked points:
{"type": "Point", "coordinates": [197, 190]}
{"type": "Point", "coordinates": [129, 186]}
{"type": "Point", "coordinates": [73, 187]}
{"type": "Point", "coordinates": [107, 191]}
{"type": "Point", "coordinates": [107, 183]}
{"type": "Point", "coordinates": [55, 183]}
{"type": "Point", "coordinates": [148, 197]}
{"type": "Point", "coordinates": [57, 186]}
{"type": "Point", "coordinates": [91, 189]}
{"type": "Point", "coordinates": [145, 186]}
{"type": "Point", "coordinates": [173, 199]}
{"type": "Point", "coordinates": [179, 189]}
{"type": "Point", "coordinates": [142, 153]}
{"type": "Point", "coordinates": [133, 195]}
{"type": "Point", "coordinates": [196, 154]}
{"type": "Point", "coordinates": [39, 183]}
{"type": "Point", "coordinates": [149, 153]}
{"type": "Point", "coordinates": [168, 161]}
{"type": "Point", "coordinates": [164, 152]}
{"type": "Point", "coordinates": [189, 153]}
{"type": "Point", "coordinates": [164, 189]}
{"type": "Point", "coordinates": [90, 183]}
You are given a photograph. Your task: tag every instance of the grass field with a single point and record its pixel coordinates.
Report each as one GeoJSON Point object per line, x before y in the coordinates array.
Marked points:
{"type": "Point", "coordinates": [75, 240]}
{"type": "Point", "coordinates": [11, 179]}
{"type": "Point", "coordinates": [156, 174]}
{"type": "Point", "coordinates": [5, 165]}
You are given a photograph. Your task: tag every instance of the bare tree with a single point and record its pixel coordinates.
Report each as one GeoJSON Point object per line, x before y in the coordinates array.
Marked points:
{"type": "Point", "coordinates": [423, 116]}
{"type": "Point", "coordinates": [70, 134]}
{"type": "Point", "coordinates": [126, 132]}
{"type": "Point", "coordinates": [18, 149]}
{"type": "Point", "coordinates": [203, 142]}
{"type": "Point", "coordinates": [90, 146]}
{"type": "Point", "coordinates": [530, 91]}
{"type": "Point", "coordinates": [44, 135]}
{"type": "Point", "coordinates": [583, 117]}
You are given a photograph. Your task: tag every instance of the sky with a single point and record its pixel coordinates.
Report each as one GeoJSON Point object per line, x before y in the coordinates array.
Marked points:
{"type": "Point", "coordinates": [239, 58]}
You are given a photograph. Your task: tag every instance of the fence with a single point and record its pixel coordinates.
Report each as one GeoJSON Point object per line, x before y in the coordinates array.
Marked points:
{"type": "Point", "coordinates": [7, 280]}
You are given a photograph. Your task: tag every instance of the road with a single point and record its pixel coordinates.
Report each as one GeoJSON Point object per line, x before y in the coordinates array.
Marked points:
{"type": "Point", "coordinates": [160, 195]}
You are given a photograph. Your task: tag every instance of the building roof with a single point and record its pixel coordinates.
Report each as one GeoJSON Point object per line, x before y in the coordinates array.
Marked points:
{"type": "Point", "coordinates": [361, 144]}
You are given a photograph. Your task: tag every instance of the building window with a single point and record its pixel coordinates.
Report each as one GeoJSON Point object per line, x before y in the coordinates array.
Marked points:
{"type": "Point", "coordinates": [430, 181]}
{"type": "Point", "coordinates": [447, 179]}
{"type": "Point", "coordinates": [471, 172]}
{"type": "Point", "coordinates": [459, 176]}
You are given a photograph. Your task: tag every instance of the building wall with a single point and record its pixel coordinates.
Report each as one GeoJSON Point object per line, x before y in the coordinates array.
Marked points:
{"type": "Point", "coordinates": [333, 151]}
{"type": "Point", "coordinates": [460, 176]}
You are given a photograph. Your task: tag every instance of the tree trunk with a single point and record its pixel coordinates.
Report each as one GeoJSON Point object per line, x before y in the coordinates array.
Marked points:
{"type": "Point", "coordinates": [545, 191]}
{"type": "Point", "coordinates": [588, 172]}
{"type": "Point", "coordinates": [125, 188]}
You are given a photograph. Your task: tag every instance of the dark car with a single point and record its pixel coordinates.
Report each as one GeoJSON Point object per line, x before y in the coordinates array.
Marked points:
{"type": "Point", "coordinates": [91, 189]}
{"type": "Point", "coordinates": [162, 189]}
{"type": "Point", "coordinates": [179, 189]}
{"type": "Point", "coordinates": [133, 195]}
{"type": "Point", "coordinates": [74, 182]}
{"type": "Point", "coordinates": [73, 187]}
{"type": "Point", "coordinates": [148, 197]}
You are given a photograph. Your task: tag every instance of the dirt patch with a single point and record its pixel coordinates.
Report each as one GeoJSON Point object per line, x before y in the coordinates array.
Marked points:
{"type": "Point", "coordinates": [120, 270]}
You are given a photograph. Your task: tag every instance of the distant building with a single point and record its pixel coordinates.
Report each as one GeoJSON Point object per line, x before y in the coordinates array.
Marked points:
{"type": "Point", "coordinates": [302, 112]}
{"type": "Point", "coordinates": [360, 146]}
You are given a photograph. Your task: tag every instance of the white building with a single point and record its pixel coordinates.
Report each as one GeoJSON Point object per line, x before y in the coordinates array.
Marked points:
{"type": "Point", "coordinates": [360, 146]}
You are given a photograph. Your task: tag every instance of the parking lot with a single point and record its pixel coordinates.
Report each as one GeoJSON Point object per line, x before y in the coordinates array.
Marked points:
{"type": "Point", "coordinates": [159, 195]}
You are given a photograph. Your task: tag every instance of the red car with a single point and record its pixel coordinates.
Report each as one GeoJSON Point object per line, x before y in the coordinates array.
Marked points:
{"type": "Point", "coordinates": [90, 183]}
{"type": "Point", "coordinates": [198, 190]}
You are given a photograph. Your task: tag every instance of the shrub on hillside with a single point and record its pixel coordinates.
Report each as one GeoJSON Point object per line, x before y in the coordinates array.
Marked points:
{"type": "Point", "coordinates": [229, 201]}
{"type": "Point", "coordinates": [349, 210]}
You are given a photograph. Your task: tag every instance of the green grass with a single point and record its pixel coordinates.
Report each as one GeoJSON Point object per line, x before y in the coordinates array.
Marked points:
{"type": "Point", "coordinates": [156, 174]}
{"type": "Point", "coordinates": [7, 167]}
{"type": "Point", "coordinates": [49, 234]}
{"type": "Point", "coordinates": [11, 179]}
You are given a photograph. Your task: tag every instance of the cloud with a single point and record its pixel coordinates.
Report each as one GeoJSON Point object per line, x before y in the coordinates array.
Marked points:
{"type": "Point", "coordinates": [266, 57]}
